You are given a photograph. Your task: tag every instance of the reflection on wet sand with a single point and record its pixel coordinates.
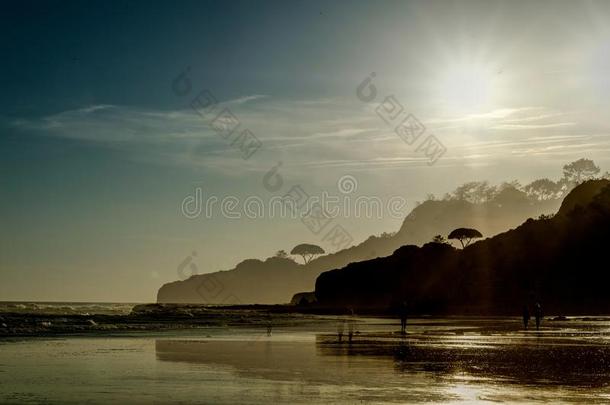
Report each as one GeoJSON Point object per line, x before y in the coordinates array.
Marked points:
{"type": "Point", "coordinates": [436, 361]}
{"type": "Point", "coordinates": [529, 362]}
{"type": "Point", "coordinates": [299, 372]}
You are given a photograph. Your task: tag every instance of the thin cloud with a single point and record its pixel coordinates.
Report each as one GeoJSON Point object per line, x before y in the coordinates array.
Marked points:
{"type": "Point", "coordinates": [245, 99]}
{"type": "Point", "coordinates": [95, 108]}
{"type": "Point", "coordinates": [491, 115]}
{"type": "Point", "coordinates": [533, 126]}
{"type": "Point", "coordinates": [310, 133]}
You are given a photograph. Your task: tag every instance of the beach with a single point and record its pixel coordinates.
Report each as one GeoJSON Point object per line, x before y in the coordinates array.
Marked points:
{"type": "Point", "coordinates": [314, 360]}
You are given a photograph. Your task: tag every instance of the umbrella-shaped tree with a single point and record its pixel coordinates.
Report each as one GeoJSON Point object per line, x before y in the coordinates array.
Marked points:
{"type": "Point", "coordinates": [307, 251]}
{"type": "Point", "coordinates": [464, 235]}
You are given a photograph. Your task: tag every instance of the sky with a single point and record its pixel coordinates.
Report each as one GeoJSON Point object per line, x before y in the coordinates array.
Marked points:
{"type": "Point", "coordinates": [104, 136]}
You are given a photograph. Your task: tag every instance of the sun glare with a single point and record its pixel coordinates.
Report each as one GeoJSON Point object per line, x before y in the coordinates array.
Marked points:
{"type": "Point", "coordinates": [466, 88]}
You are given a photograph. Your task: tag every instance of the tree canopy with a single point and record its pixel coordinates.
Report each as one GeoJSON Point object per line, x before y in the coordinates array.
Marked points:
{"type": "Point", "coordinates": [543, 190]}
{"type": "Point", "coordinates": [580, 170]}
{"type": "Point", "coordinates": [307, 251]}
{"type": "Point", "coordinates": [474, 191]}
{"type": "Point", "coordinates": [465, 235]}
{"type": "Point", "coordinates": [574, 173]}
{"type": "Point", "coordinates": [439, 239]}
{"type": "Point", "coordinates": [510, 193]}
{"type": "Point", "coordinates": [281, 254]}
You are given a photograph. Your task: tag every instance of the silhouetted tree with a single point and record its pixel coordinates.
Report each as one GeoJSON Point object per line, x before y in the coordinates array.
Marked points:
{"type": "Point", "coordinates": [281, 254]}
{"type": "Point", "coordinates": [543, 190]}
{"type": "Point", "coordinates": [510, 184]}
{"type": "Point", "coordinates": [439, 239]}
{"type": "Point", "coordinates": [580, 170]}
{"type": "Point", "coordinates": [307, 251]}
{"type": "Point", "coordinates": [465, 235]}
{"type": "Point", "coordinates": [475, 192]}
{"type": "Point", "coordinates": [387, 234]}
{"type": "Point", "coordinates": [510, 193]}
{"type": "Point", "coordinates": [574, 173]}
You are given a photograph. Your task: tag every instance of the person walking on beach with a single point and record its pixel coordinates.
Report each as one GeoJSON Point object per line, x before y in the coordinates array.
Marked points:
{"type": "Point", "coordinates": [538, 315]}
{"type": "Point", "coordinates": [269, 325]}
{"type": "Point", "coordinates": [340, 329]}
{"type": "Point", "coordinates": [403, 318]}
{"type": "Point", "coordinates": [350, 326]}
{"type": "Point", "coordinates": [526, 316]}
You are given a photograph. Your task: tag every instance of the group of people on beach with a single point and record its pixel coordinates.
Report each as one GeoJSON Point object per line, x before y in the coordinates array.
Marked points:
{"type": "Point", "coordinates": [350, 328]}
{"type": "Point", "coordinates": [537, 315]}
{"type": "Point", "coordinates": [403, 311]}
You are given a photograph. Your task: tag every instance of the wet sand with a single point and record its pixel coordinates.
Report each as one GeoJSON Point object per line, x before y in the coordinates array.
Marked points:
{"type": "Point", "coordinates": [454, 360]}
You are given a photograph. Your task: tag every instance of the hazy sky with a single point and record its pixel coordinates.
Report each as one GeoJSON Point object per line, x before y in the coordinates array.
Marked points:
{"type": "Point", "coordinates": [98, 151]}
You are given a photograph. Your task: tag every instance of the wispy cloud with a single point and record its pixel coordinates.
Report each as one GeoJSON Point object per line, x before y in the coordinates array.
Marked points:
{"type": "Point", "coordinates": [325, 133]}
{"type": "Point", "coordinates": [508, 119]}
{"type": "Point", "coordinates": [94, 108]}
{"type": "Point", "coordinates": [496, 114]}
{"type": "Point", "coordinates": [245, 99]}
{"type": "Point", "coordinates": [533, 126]}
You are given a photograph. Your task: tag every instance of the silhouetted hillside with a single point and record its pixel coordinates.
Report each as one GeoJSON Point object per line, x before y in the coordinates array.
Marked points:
{"type": "Point", "coordinates": [276, 281]}
{"type": "Point", "coordinates": [251, 281]}
{"type": "Point", "coordinates": [585, 194]}
{"type": "Point", "coordinates": [490, 209]}
{"type": "Point", "coordinates": [560, 261]}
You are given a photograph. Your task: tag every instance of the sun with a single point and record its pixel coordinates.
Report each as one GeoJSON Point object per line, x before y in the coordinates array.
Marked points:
{"type": "Point", "coordinates": [466, 87]}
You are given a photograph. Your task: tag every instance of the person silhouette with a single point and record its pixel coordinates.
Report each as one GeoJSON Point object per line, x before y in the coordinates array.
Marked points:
{"type": "Point", "coordinates": [269, 325]}
{"type": "Point", "coordinates": [403, 318]}
{"type": "Point", "coordinates": [538, 315]}
{"type": "Point", "coordinates": [340, 329]}
{"type": "Point", "coordinates": [350, 326]}
{"type": "Point", "coordinates": [526, 316]}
